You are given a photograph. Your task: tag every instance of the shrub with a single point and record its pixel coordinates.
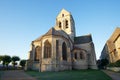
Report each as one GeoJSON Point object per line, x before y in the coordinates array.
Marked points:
{"type": "Point", "coordinates": [116, 64]}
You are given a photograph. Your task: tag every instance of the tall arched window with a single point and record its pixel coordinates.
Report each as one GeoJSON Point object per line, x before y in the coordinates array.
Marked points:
{"type": "Point", "coordinates": [37, 53]}
{"type": "Point", "coordinates": [66, 23]}
{"type": "Point", "coordinates": [64, 51]}
{"type": "Point", "coordinates": [81, 55]}
{"type": "Point", "coordinates": [47, 49]}
{"type": "Point", "coordinates": [75, 55]}
{"type": "Point", "coordinates": [60, 25]}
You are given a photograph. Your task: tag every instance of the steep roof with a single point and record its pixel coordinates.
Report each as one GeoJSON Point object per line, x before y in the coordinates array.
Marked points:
{"type": "Point", "coordinates": [82, 39]}
{"type": "Point", "coordinates": [63, 11]}
{"type": "Point", "coordinates": [52, 31]}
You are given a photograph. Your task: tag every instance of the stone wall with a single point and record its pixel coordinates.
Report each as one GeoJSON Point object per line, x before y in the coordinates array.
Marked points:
{"type": "Point", "coordinates": [36, 66]}
{"type": "Point", "coordinates": [81, 64]}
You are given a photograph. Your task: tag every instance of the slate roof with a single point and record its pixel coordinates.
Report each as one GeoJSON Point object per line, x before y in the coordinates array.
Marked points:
{"type": "Point", "coordinates": [52, 31]}
{"type": "Point", "coordinates": [83, 39]}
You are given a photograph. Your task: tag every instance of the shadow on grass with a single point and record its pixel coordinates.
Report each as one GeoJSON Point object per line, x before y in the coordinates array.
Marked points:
{"type": "Point", "coordinates": [1, 72]}
{"type": "Point", "coordinates": [70, 75]}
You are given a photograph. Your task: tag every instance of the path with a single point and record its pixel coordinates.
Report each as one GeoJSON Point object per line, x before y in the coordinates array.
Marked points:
{"type": "Point", "coordinates": [16, 75]}
{"type": "Point", "coordinates": [113, 75]}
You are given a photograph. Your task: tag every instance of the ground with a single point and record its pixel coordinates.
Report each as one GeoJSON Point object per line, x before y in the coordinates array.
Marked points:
{"type": "Point", "coordinates": [113, 75]}
{"type": "Point", "coordinates": [15, 75]}
{"type": "Point", "coordinates": [63, 75]}
{"type": "Point", "coordinates": [70, 75]}
{"type": "Point", "coordinates": [0, 74]}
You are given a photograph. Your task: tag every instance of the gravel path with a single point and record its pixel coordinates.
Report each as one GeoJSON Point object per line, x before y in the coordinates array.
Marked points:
{"type": "Point", "coordinates": [16, 75]}
{"type": "Point", "coordinates": [113, 75]}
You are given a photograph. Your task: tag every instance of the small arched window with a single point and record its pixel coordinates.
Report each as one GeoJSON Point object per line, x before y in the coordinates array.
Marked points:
{"type": "Point", "coordinates": [37, 53]}
{"type": "Point", "coordinates": [62, 15]}
{"type": "Point", "coordinates": [47, 49]}
{"type": "Point", "coordinates": [64, 51]}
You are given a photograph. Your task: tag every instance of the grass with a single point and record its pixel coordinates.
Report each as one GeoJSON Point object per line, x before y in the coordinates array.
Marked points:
{"type": "Point", "coordinates": [70, 75]}
{"type": "Point", "coordinates": [1, 74]}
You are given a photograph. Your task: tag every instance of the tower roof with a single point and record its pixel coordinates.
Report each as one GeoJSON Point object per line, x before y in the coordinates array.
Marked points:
{"type": "Point", "coordinates": [63, 11]}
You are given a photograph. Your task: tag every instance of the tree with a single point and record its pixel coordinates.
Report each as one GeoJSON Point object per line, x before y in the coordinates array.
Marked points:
{"type": "Point", "coordinates": [14, 59]}
{"type": "Point", "coordinates": [117, 63]}
{"type": "Point", "coordinates": [6, 60]}
{"type": "Point", "coordinates": [22, 63]}
{"type": "Point", "coordinates": [104, 63]}
{"type": "Point", "coordinates": [99, 64]}
{"type": "Point", "coordinates": [1, 58]}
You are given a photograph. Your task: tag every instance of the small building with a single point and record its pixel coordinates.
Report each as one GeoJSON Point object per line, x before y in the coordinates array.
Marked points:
{"type": "Point", "coordinates": [60, 49]}
{"type": "Point", "coordinates": [111, 50]}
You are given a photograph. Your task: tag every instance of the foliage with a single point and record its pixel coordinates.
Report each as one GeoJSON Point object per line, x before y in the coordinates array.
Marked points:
{"type": "Point", "coordinates": [14, 59]}
{"type": "Point", "coordinates": [6, 60]}
{"type": "Point", "coordinates": [104, 62]}
{"type": "Point", "coordinates": [1, 58]}
{"type": "Point", "coordinates": [70, 75]}
{"type": "Point", "coordinates": [116, 64]}
{"type": "Point", "coordinates": [22, 63]}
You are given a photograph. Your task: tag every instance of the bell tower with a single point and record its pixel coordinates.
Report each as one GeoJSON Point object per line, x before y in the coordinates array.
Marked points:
{"type": "Point", "coordinates": [65, 22]}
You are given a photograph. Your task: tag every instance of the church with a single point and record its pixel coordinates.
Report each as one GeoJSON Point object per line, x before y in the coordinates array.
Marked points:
{"type": "Point", "coordinates": [60, 49]}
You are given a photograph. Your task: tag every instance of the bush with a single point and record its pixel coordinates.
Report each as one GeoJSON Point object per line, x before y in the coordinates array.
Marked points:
{"type": "Point", "coordinates": [111, 65]}
{"type": "Point", "coordinates": [116, 64]}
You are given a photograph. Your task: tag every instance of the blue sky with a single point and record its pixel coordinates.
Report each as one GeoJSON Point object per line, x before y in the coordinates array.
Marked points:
{"type": "Point", "coordinates": [22, 21]}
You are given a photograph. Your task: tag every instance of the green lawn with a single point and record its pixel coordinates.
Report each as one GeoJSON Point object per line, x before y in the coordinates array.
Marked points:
{"type": "Point", "coordinates": [70, 75]}
{"type": "Point", "coordinates": [0, 74]}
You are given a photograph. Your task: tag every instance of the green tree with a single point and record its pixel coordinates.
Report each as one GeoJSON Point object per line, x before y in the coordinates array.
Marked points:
{"type": "Point", "coordinates": [1, 58]}
{"type": "Point", "coordinates": [14, 59]}
{"type": "Point", "coordinates": [117, 63]}
{"type": "Point", "coordinates": [22, 63]}
{"type": "Point", "coordinates": [104, 63]}
{"type": "Point", "coordinates": [6, 60]}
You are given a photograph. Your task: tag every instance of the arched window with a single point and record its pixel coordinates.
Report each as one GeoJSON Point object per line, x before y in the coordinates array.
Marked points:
{"type": "Point", "coordinates": [81, 56]}
{"type": "Point", "coordinates": [60, 25]}
{"type": "Point", "coordinates": [75, 55]}
{"type": "Point", "coordinates": [47, 49]}
{"type": "Point", "coordinates": [64, 51]}
{"type": "Point", "coordinates": [66, 23]}
{"type": "Point", "coordinates": [37, 53]}
{"type": "Point", "coordinates": [57, 49]}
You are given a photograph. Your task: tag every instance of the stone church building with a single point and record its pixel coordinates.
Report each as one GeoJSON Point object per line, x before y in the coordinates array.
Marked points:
{"type": "Point", "coordinates": [60, 49]}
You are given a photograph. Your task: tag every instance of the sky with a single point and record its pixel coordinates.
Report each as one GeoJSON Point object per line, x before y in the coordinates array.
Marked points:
{"type": "Point", "coordinates": [22, 21]}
